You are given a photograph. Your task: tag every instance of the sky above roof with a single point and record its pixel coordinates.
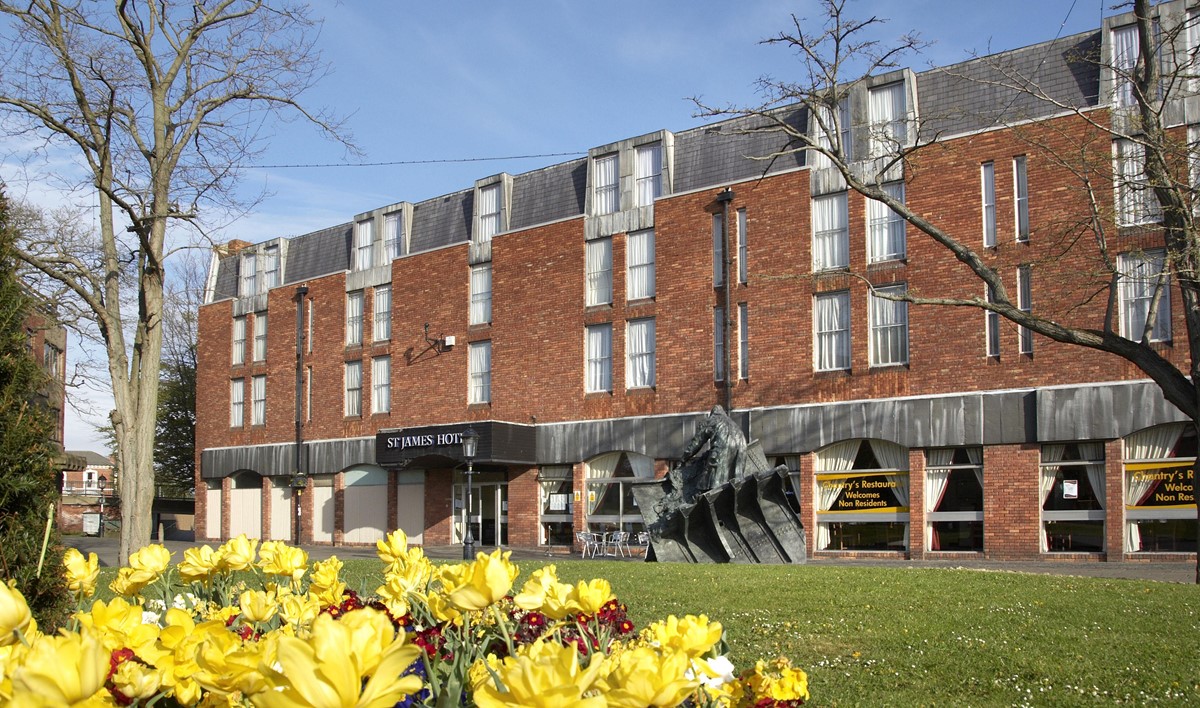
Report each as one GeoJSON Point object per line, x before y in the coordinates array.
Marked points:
{"type": "Point", "coordinates": [442, 89]}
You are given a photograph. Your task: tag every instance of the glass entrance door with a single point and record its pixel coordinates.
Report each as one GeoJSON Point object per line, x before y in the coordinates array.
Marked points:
{"type": "Point", "coordinates": [489, 513]}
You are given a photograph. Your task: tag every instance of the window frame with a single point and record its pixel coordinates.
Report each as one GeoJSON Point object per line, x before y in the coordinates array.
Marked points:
{"type": "Point", "coordinates": [839, 338]}
{"type": "Point", "coordinates": [886, 230]}
{"type": "Point", "coordinates": [1021, 198]}
{"type": "Point", "coordinates": [598, 280]}
{"type": "Point", "coordinates": [1024, 304]}
{"type": "Point", "coordinates": [837, 234]}
{"type": "Point", "coordinates": [743, 341]}
{"type": "Point", "coordinates": [718, 343]}
{"type": "Point", "coordinates": [742, 247]}
{"type": "Point", "coordinates": [606, 193]}
{"type": "Point", "coordinates": [876, 329]}
{"type": "Point", "coordinates": [381, 385]}
{"type": "Point", "coordinates": [381, 320]}
{"type": "Point", "coordinates": [598, 369]}
{"type": "Point", "coordinates": [480, 306]}
{"type": "Point", "coordinates": [237, 403]}
{"type": "Point", "coordinates": [490, 221]}
{"type": "Point", "coordinates": [352, 389]}
{"type": "Point", "coordinates": [1127, 280]}
{"type": "Point", "coordinates": [887, 133]}
{"type": "Point", "coordinates": [479, 381]}
{"type": "Point", "coordinates": [987, 189]}
{"type": "Point", "coordinates": [258, 400]}
{"type": "Point", "coordinates": [364, 244]}
{"type": "Point", "coordinates": [648, 185]}
{"type": "Point", "coordinates": [259, 353]}
{"type": "Point", "coordinates": [237, 355]}
{"type": "Point", "coordinates": [636, 375]}
{"type": "Point", "coordinates": [635, 268]}
{"type": "Point", "coordinates": [354, 322]}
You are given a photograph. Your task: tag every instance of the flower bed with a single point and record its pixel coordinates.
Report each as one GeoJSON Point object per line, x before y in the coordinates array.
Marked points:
{"type": "Point", "coordinates": [251, 625]}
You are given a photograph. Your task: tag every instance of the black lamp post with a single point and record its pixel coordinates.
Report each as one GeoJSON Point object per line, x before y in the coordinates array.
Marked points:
{"type": "Point", "coordinates": [470, 439]}
{"type": "Point", "coordinates": [298, 483]}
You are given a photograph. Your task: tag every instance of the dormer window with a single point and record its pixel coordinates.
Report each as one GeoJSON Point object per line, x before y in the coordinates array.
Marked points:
{"type": "Point", "coordinates": [489, 213]}
{"type": "Point", "coordinates": [889, 119]}
{"type": "Point", "coordinates": [393, 235]}
{"type": "Point", "coordinates": [364, 238]}
{"type": "Point", "coordinates": [271, 267]}
{"type": "Point", "coordinates": [249, 274]}
{"type": "Point", "coordinates": [607, 197]}
{"type": "Point", "coordinates": [648, 167]}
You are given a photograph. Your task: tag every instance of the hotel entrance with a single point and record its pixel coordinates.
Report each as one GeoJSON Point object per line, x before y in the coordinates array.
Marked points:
{"type": "Point", "coordinates": [489, 515]}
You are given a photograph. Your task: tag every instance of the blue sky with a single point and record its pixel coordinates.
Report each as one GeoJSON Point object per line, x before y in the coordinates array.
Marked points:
{"type": "Point", "coordinates": [452, 81]}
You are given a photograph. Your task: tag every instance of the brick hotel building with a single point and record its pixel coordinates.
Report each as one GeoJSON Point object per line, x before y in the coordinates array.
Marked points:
{"type": "Point", "coordinates": [582, 318]}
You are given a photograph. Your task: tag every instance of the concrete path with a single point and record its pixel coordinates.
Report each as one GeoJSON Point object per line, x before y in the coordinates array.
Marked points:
{"type": "Point", "coordinates": [106, 550]}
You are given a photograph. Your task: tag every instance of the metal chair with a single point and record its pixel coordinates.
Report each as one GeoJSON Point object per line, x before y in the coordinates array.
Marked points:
{"type": "Point", "coordinates": [589, 543]}
{"type": "Point", "coordinates": [617, 544]}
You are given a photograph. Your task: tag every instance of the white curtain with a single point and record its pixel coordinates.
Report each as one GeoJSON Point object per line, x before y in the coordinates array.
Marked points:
{"type": "Point", "coordinates": [830, 236]}
{"type": "Point", "coordinates": [833, 331]}
{"type": "Point", "coordinates": [719, 343]}
{"type": "Point", "coordinates": [888, 111]}
{"type": "Point", "coordinates": [1095, 472]}
{"type": "Point", "coordinates": [481, 293]}
{"type": "Point", "coordinates": [894, 457]}
{"type": "Point", "coordinates": [936, 478]}
{"type": "Point", "coordinates": [838, 457]}
{"type": "Point", "coordinates": [599, 271]}
{"type": "Point", "coordinates": [239, 340]}
{"type": "Point", "coordinates": [489, 212]}
{"type": "Point", "coordinates": [364, 236]}
{"type": "Point", "coordinates": [823, 128]}
{"type": "Point", "coordinates": [1124, 58]}
{"type": "Point", "coordinates": [1150, 444]}
{"type": "Point", "coordinates": [718, 236]}
{"type": "Point", "coordinates": [885, 227]}
{"type": "Point", "coordinates": [649, 171]}
{"type": "Point", "coordinates": [639, 260]}
{"type": "Point", "coordinates": [260, 336]}
{"type": "Point", "coordinates": [975, 457]}
{"type": "Point", "coordinates": [393, 236]}
{"type": "Point", "coordinates": [354, 388]}
{"type": "Point", "coordinates": [602, 467]}
{"type": "Point", "coordinates": [354, 317]}
{"type": "Point", "coordinates": [381, 384]}
{"type": "Point", "coordinates": [599, 357]}
{"type": "Point", "coordinates": [480, 363]}
{"type": "Point", "coordinates": [640, 342]}
{"type": "Point", "coordinates": [889, 328]}
{"type": "Point", "coordinates": [1050, 454]}
{"type": "Point", "coordinates": [383, 313]}
{"type": "Point", "coordinates": [605, 180]}
{"type": "Point", "coordinates": [1141, 275]}
{"type": "Point", "coordinates": [258, 391]}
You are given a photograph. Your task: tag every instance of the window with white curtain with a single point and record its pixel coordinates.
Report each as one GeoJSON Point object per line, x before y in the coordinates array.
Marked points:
{"type": "Point", "coordinates": [364, 242]}
{"type": "Point", "coordinates": [599, 272]}
{"type": "Point", "coordinates": [639, 262]}
{"type": "Point", "coordinates": [1125, 53]}
{"type": "Point", "coordinates": [991, 324]}
{"type": "Point", "coordinates": [354, 318]}
{"type": "Point", "coordinates": [718, 343]}
{"type": "Point", "coordinates": [954, 499]}
{"type": "Point", "coordinates": [648, 173]}
{"type": "Point", "coordinates": [599, 357]}
{"type": "Point", "coordinates": [826, 128]}
{"type": "Point", "coordinates": [489, 212]}
{"type": "Point", "coordinates": [1071, 486]}
{"type": "Point", "coordinates": [888, 327]}
{"type": "Point", "coordinates": [742, 253]}
{"type": "Point", "coordinates": [1136, 201]}
{"type": "Point", "coordinates": [1021, 197]}
{"type": "Point", "coordinates": [640, 345]}
{"type": "Point", "coordinates": [888, 121]}
{"type": "Point", "coordinates": [743, 341]}
{"type": "Point", "coordinates": [885, 228]}
{"type": "Point", "coordinates": [610, 502]}
{"type": "Point", "coordinates": [393, 235]}
{"type": "Point", "coordinates": [383, 313]}
{"type": "Point", "coordinates": [353, 385]}
{"type": "Point", "coordinates": [258, 397]}
{"type": "Point", "coordinates": [381, 384]}
{"type": "Point", "coordinates": [831, 234]}
{"type": "Point", "coordinates": [249, 274]}
{"type": "Point", "coordinates": [831, 331]}
{"type": "Point", "coordinates": [237, 402]}
{"type": "Point", "coordinates": [718, 250]}
{"type": "Point", "coordinates": [1160, 497]}
{"type": "Point", "coordinates": [481, 294]}
{"type": "Point", "coordinates": [479, 372]}
{"type": "Point", "coordinates": [861, 496]}
{"type": "Point", "coordinates": [606, 193]}
{"type": "Point", "coordinates": [260, 336]}
{"type": "Point", "coordinates": [555, 505]}
{"type": "Point", "coordinates": [271, 267]}
{"type": "Point", "coordinates": [1141, 279]}
{"type": "Point", "coordinates": [238, 355]}
{"type": "Point", "coordinates": [987, 188]}
{"type": "Point", "coordinates": [1024, 304]}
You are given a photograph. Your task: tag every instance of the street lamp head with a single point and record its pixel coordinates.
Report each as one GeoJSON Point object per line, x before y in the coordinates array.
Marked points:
{"type": "Point", "coordinates": [470, 441]}
{"type": "Point", "coordinates": [299, 482]}
{"type": "Point", "coordinates": [103, 482]}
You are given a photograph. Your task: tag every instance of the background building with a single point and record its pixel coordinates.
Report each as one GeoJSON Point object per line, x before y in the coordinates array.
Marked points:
{"type": "Point", "coordinates": [584, 317]}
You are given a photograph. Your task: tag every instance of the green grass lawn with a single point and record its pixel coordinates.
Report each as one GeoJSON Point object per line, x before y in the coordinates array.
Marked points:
{"type": "Point", "coordinates": [906, 637]}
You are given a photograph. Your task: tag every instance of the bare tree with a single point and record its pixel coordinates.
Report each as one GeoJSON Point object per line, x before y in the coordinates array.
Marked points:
{"type": "Point", "coordinates": [159, 102]}
{"type": "Point", "coordinates": [1152, 177]}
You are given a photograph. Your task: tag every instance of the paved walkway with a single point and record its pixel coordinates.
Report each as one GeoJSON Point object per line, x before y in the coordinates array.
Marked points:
{"type": "Point", "coordinates": [106, 550]}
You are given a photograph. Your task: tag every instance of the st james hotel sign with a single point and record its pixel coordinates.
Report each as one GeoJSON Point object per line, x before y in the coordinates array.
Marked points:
{"type": "Point", "coordinates": [498, 442]}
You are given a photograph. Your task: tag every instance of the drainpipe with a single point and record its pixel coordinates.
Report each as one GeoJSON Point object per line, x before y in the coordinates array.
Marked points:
{"type": "Point", "coordinates": [723, 198]}
{"type": "Point", "coordinates": [298, 478]}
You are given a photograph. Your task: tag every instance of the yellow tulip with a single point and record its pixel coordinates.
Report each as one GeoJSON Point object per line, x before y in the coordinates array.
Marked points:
{"type": "Point", "coordinates": [299, 610]}
{"type": "Point", "coordinates": [644, 677]}
{"type": "Point", "coordinates": [541, 675]}
{"type": "Point", "coordinates": [61, 670]}
{"type": "Point", "coordinates": [238, 553]}
{"type": "Point", "coordinates": [278, 558]}
{"type": "Point", "coordinates": [324, 583]}
{"type": "Point", "coordinates": [320, 671]}
{"type": "Point", "coordinates": [136, 681]}
{"type": "Point", "coordinates": [14, 614]}
{"type": "Point", "coordinates": [199, 564]}
{"type": "Point", "coordinates": [257, 605]}
{"type": "Point", "coordinates": [152, 560]}
{"type": "Point", "coordinates": [691, 635]}
{"type": "Point", "coordinates": [442, 610]}
{"type": "Point", "coordinates": [394, 548]}
{"type": "Point", "coordinates": [81, 572]}
{"type": "Point", "coordinates": [485, 581]}
{"type": "Point", "coordinates": [589, 597]}
{"type": "Point", "coordinates": [119, 624]}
